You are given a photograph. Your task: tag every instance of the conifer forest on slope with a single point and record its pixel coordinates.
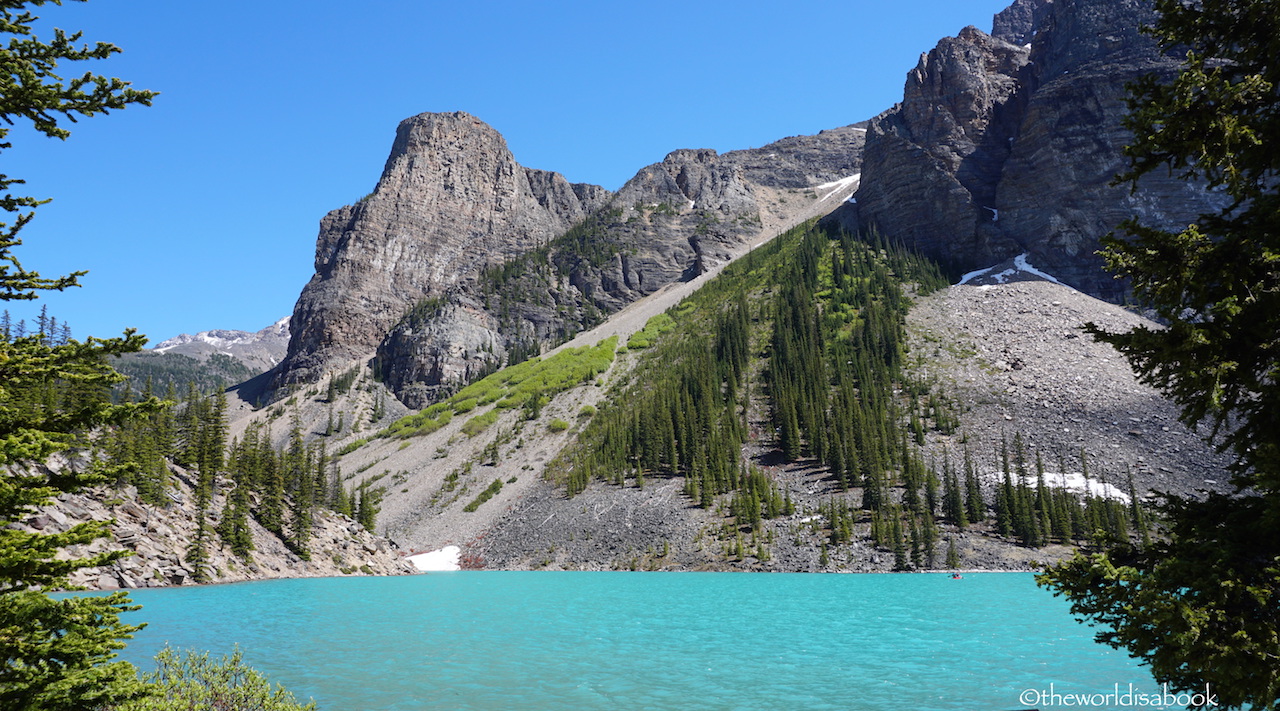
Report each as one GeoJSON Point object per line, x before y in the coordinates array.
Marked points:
{"type": "Point", "coordinates": [795, 355]}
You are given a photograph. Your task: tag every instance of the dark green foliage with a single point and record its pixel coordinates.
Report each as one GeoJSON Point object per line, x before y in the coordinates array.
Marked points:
{"type": "Point", "coordinates": [300, 485]}
{"type": "Point", "coordinates": [215, 373]}
{"type": "Point", "coordinates": [201, 437]}
{"type": "Point", "coordinates": [139, 448]}
{"type": "Point", "coordinates": [368, 500]}
{"type": "Point", "coordinates": [341, 384]}
{"type": "Point", "coordinates": [519, 287]}
{"type": "Point", "coordinates": [1203, 606]}
{"type": "Point", "coordinates": [829, 310]}
{"type": "Point", "coordinates": [953, 556]}
{"type": "Point", "coordinates": [54, 654]}
{"type": "Point", "coordinates": [758, 499]}
{"type": "Point", "coordinates": [975, 505]}
{"type": "Point", "coordinates": [953, 503]}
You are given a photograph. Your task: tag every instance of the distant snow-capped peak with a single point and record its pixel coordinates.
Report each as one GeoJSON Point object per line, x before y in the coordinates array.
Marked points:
{"type": "Point", "coordinates": [223, 338]}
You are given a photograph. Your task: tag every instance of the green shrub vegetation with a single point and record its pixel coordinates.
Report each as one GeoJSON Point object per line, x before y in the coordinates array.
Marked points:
{"type": "Point", "coordinates": [558, 425]}
{"type": "Point", "coordinates": [652, 329]}
{"type": "Point", "coordinates": [532, 381]}
{"type": "Point", "coordinates": [489, 492]}
{"type": "Point", "coordinates": [480, 423]}
{"type": "Point", "coordinates": [193, 681]}
{"type": "Point", "coordinates": [350, 447]}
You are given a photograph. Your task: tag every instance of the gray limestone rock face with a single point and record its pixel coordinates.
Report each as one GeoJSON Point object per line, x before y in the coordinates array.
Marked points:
{"type": "Point", "coordinates": [932, 163]}
{"type": "Point", "coordinates": [798, 162]}
{"type": "Point", "coordinates": [667, 223]}
{"type": "Point", "coordinates": [451, 200]}
{"type": "Point", "coordinates": [671, 222]}
{"type": "Point", "coordinates": [1056, 196]}
{"type": "Point", "coordinates": [1018, 23]}
{"type": "Point", "coordinates": [461, 260]}
{"type": "Point", "coordinates": [1000, 148]}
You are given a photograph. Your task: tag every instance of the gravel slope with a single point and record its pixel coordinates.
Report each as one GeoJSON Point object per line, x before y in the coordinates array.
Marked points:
{"type": "Point", "coordinates": [1016, 357]}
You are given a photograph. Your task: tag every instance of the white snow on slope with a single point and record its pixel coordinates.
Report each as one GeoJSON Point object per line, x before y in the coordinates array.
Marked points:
{"type": "Point", "coordinates": [970, 276]}
{"type": "Point", "coordinates": [1020, 264]}
{"type": "Point", "coordinates": [223, 338]}
{"type": "Point", "coordinates": [1075, 482]}
{"type": "Point", "coordinates": [836, 186]}
{"type": "Point", "coordinates": [445, 559]}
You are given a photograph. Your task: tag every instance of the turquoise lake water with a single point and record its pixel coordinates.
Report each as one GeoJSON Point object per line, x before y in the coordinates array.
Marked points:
{"type": "Point", "coordinates": [496, 640]}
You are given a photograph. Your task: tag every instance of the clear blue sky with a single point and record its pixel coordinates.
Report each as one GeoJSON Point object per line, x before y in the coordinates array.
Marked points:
{"type": "Point", "coordinates": [202, 211]}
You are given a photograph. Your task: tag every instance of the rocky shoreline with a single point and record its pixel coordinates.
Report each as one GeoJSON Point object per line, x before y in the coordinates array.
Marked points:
{"type": "Point", "coordinates": [160, 536]}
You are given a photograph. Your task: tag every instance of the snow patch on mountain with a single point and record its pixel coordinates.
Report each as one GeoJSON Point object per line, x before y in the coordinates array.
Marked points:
{"type": "Point", "coordinates": [1016, 269]}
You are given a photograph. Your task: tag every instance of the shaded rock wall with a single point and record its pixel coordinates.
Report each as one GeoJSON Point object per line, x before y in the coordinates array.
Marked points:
{"type": "Point", "coordinates": [1000, 148]}
{"type": "Point", "coordinates": [932, 163]}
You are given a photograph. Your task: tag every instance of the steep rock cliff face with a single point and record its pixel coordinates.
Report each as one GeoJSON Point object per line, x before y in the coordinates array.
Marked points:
{"type": "Point", "coordinates": [671, 222]}
{"type": "Point", "coordinates": [451, 200]}
{"type": "Point", "coordinates": [1007, 144]}
{"type": "Point", "coordinates": [1055, 195]}
{"type": "Point", "coordinates": [933, 161]}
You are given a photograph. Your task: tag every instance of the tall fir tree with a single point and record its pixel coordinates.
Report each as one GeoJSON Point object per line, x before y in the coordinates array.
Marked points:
{"type": "Point", "coordinates": [54, 653]}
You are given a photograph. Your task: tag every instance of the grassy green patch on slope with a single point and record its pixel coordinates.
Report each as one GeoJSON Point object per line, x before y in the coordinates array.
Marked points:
{"type": "Point", "coordinates": [511, 387]}
{"type": "Point", "coordinates": [653, 328]}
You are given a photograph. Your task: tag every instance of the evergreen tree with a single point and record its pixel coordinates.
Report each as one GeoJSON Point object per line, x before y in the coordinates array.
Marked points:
{"type": "Point", "coordinates": [270, 471]}
{"type": "Point", "coordinates": [54, 654]}
{"type": "Point", "coordinates": [301, 486]}
{"type": "Point", "coordinates": [367, 505]}
{"type": "Point", "coordinates": [975, 506]}
{"type": "Point", "coordinates": [895, 536]}
{"type": "Point", "coordinates": [234, 524]}
{"type": "Point", "coordinates": [953, 504]}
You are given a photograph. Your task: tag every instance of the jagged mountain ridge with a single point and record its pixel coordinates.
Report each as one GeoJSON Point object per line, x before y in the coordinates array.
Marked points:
{"type": "Point", "coordinates": [673, 221]}
{"type": "Point", "coordinates": [1007, 143]}
{"type": "Point", "coordinates": [260, 350]}
{"type": "Point", "coordinates": [461, 259]}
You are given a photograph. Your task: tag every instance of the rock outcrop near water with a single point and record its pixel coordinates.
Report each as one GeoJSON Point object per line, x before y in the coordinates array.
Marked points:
{"type": "Point", "coordinates": [161, 537]}
{"type": "Point", "coordinates": [461, 260]}
{"type": "Point", "coordinates": [1007, 143]}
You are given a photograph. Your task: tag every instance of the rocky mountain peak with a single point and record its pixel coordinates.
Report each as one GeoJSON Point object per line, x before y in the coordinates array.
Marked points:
{"type": "Point", "coordinates": [258, 351]}
{"type": "Point", "coordinates": [451, 200]}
